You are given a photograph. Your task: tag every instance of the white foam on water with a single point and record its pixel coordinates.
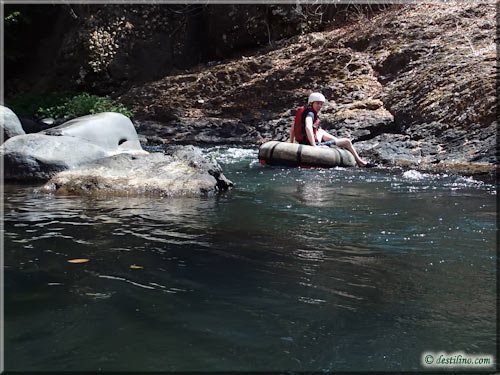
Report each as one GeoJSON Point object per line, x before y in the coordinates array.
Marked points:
{"type": "Point", "coordinates": [453, 183]}
{"type": "Point", "coordinates": [414, 175]}
{"type": "Point", "coordinates": [469, 182]}
{"type": "Point", "coordinates": [232, 155]}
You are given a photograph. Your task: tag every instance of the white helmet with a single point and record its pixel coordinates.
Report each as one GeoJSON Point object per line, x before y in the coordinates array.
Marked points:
{"type": "Point", "coordinates": [316, 97]}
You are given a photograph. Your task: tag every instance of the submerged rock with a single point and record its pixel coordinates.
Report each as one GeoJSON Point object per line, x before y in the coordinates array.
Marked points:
{"type": "Point", "coordinates": [11, 126]}
{"type": "Point", "coordinates": [184, 172]}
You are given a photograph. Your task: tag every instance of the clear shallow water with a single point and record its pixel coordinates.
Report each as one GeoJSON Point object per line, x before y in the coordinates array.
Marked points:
{"type": "Point", "coordinates": [293, 270]}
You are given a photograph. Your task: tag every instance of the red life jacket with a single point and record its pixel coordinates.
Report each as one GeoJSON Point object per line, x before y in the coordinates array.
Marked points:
{"type": "Point", "coordinates": [299, 125]}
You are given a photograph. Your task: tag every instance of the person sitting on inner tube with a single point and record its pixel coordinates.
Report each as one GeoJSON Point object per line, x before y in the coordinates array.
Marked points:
{"type": "Point", "coordinates": [306, 129]}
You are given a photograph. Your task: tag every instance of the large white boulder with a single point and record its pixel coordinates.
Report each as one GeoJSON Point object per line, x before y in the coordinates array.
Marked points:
{"type": "Point", "coordinates": [82, 140]}
{"type": "Point", "coordinates": [112, 131]}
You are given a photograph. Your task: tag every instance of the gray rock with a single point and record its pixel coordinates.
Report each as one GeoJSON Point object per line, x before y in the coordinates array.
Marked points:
{"type": "Point", "coordinates": [194, 157]}
{"type": "Point", "coordinates": [360, 120]}
{"type": "Point", "coordinates": [184, 173]}
{"type": "Point", "coordinates": [76, 142]}
{"type": "Point", "coordinates": [39, 156]}
{"type": "Point", "coordinates": [10, 123]}
{"type": "Point", "coordinates": [112, 131]}
{"type": "Point", "coordinates": [392, 149]}
{"type": "Point", "coordinates": [198, 131]}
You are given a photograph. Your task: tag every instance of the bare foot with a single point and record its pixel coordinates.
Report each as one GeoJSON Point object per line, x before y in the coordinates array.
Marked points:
{"type": "Point", "coordinates": [367, 165]}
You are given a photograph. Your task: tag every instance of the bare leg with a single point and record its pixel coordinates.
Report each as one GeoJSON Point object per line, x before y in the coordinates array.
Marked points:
{"type": "Point", "coordinates": [323, 136]}
{"type": "Point", "coordinates": [347, 144]}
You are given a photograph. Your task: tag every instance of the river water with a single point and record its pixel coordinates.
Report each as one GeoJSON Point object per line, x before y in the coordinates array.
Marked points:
{"type": "Point", "coordinates": [293, 270]}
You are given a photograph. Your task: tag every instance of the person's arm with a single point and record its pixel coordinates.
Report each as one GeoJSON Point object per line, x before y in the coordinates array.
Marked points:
{"type": "Point", "coordinates": [310, 132]}
{"type": "Point", "coordinates": [292, 133]}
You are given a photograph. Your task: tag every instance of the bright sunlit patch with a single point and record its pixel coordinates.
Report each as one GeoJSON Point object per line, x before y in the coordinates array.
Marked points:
{"type": "Point", "coordinates": [78, 260]}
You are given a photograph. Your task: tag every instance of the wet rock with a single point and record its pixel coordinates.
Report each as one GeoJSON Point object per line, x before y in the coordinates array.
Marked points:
{"type": "Point", "coordinates": [467, 168]}
{"type": "Point", "coordinates": [11, 126]}
{"type": "Point", "coordinates": [183, 172]}
{"type": "Point", "coordinates": [194, 157]}
{"type": "Point", "coordinates": [426, 154]}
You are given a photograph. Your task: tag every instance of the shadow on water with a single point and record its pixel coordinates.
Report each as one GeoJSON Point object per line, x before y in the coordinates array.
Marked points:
{"type": "Point", "coordinates": [294, 270]}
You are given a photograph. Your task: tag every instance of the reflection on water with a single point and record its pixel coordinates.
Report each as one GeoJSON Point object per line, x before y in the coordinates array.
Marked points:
{"type": "Point", "coordinates": [294, 270]}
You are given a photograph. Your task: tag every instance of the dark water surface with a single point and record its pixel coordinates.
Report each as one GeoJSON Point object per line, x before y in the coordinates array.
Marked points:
{"type": "Point", "coordinates": [297, 270]}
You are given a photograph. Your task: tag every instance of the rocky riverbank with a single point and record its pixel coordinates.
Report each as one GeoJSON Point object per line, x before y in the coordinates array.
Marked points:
{"type": "Point", "coordinates": [412, 86]}
{"type": "Point", "coordinates": [101, 155]}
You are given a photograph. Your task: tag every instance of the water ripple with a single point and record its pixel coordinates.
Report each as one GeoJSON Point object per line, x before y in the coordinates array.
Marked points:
{"type": "Point", "coordinates": [292, 266]}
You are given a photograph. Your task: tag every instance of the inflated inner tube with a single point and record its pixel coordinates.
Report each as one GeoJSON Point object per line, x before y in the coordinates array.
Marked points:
{"type": "Point", "coordinates": [296, 155]}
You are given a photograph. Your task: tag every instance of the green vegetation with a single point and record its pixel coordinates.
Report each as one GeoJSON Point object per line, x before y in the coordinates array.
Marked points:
{"type": "Point", "coordinates": [65, 105]}
{"type": "Point", "coordinates": [12, 17]}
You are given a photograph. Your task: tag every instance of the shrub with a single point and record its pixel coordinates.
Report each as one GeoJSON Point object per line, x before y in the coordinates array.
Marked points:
{"type": "Point", "coordinates": [65, 105]}
{"type": "Point", "coordinates": [84, 104]}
